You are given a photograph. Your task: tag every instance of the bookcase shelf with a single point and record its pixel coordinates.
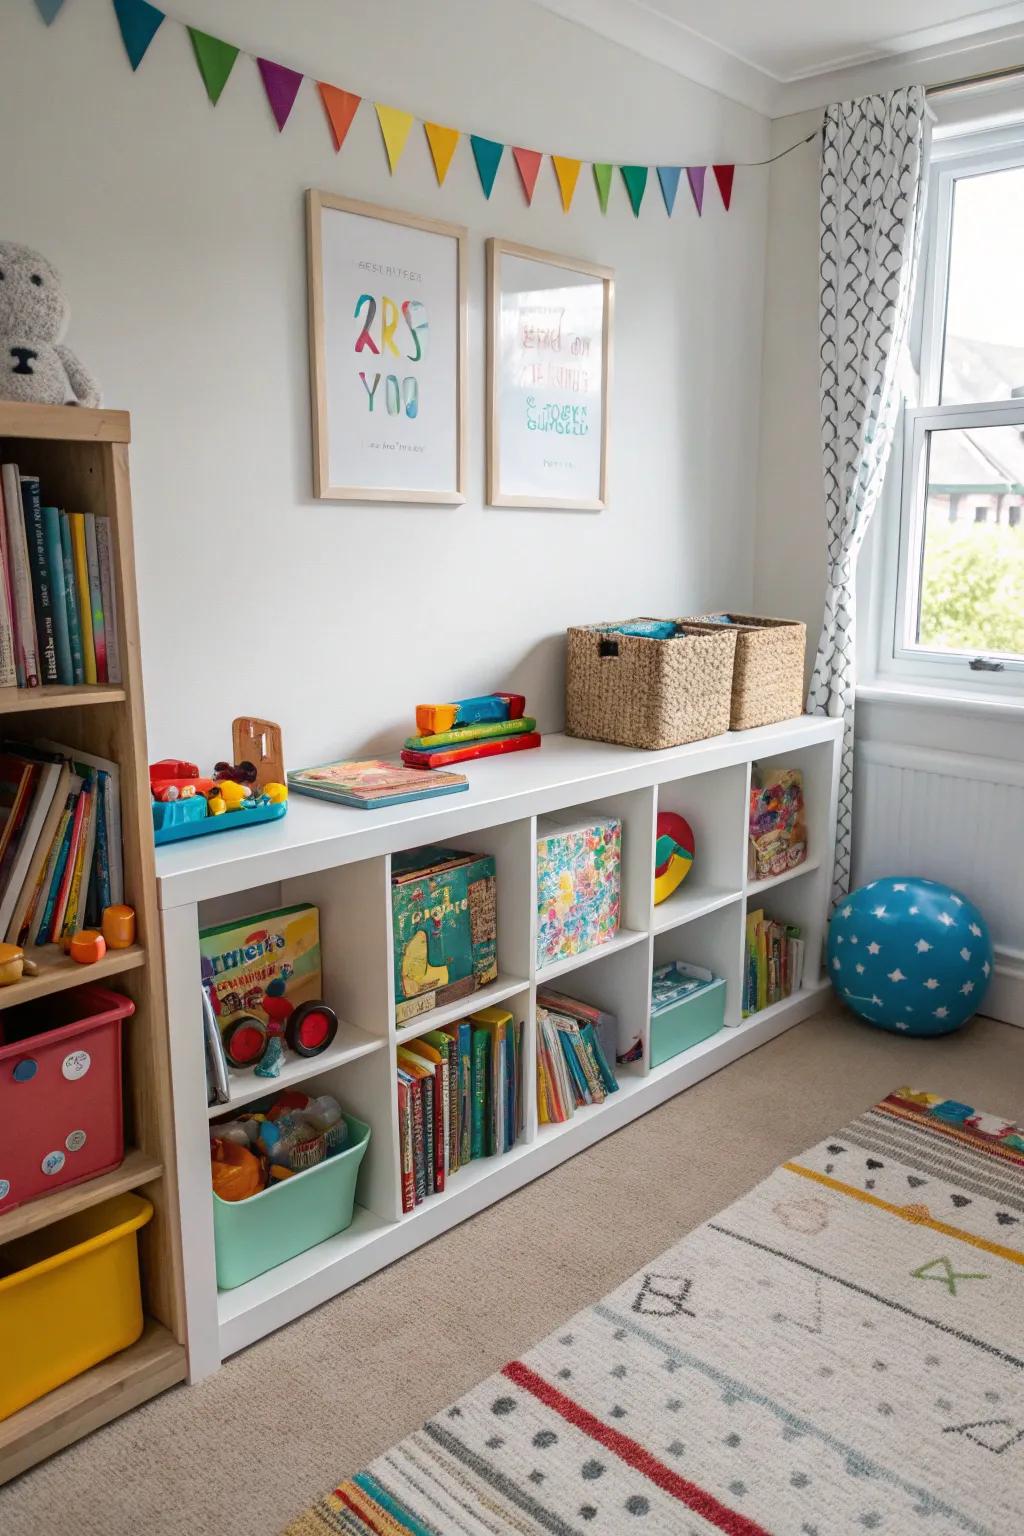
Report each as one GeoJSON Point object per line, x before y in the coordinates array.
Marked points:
{"type": "Point", "coordinates": [755, 887]}
{"type": "Point", "coordinates": [81, 458]}
{"type": "Point", "coordinates": [340, 858]}
{"type": "Point", "coordinates": [349, 1044]}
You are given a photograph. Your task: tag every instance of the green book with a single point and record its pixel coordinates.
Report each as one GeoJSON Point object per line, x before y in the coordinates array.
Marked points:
{"type": "Point", "coordinates": [481, 1066]}
{"type": "Point", "coordinates": [442, 1043]}
{"type": "Point", "coordinates": [71, 599]}
{"type": "Point", "coordinates": [485, 730]}
{"type": "Point", "coordinates": [58, 594]}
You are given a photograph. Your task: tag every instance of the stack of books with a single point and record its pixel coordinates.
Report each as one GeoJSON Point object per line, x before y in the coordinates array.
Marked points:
{"type": "Point", "coordinates": [488, 726]}
{"type": "Point", "coordinates": [60, 841]}
{"type": "Point", "coordinates": [774, 962]}
{"type": "Point", "coordinates": [459, 1098]}
{"type": "Point", "coordinates": [58, 620]}
{"type": "Point", "coordinates": [573, 1068]}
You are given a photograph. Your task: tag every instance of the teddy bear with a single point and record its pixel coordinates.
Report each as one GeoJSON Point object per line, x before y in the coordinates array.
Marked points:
{"type": "Point", "coordinates": [34, 315]}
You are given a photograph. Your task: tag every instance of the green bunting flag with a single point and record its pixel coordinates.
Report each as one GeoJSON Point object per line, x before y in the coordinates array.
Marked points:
{"type": "Point", "coordinates": [603, 182]}
{"type": "Point", "coordinates": [139, 22]}
{"type": "Point", "coordinates": [216, 60]}
{"type": "Point", "coordinates": [635, 177]}
{"type": "Point", "coordinates": [487, 153]}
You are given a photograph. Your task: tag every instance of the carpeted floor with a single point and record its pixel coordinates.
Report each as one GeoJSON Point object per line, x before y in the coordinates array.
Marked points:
{"type": "Point", "coordinates": [247, 1450]}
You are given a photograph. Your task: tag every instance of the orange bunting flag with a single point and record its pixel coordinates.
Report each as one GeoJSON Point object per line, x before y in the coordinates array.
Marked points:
{"type": "Point", "coordinates": [527, 164]}
{"type": "Point", "coordinates": [442, 143]}
{"type": "Point", "coordinates": [567, 172]}
{"type": "Point", "coordinates": [340, 107]}
{"type": "Point", "coordinates": [394, 126]}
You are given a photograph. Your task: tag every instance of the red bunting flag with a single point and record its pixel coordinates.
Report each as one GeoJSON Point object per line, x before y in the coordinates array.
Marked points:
{"type": "Point", "coordinates": [281, 86]}
{"type": "Point", "coordinates": [724, 175]}
{"type": "Point", "coordinates": [528, 164]}
{"type": "Point", "coordinates": [340, 107]}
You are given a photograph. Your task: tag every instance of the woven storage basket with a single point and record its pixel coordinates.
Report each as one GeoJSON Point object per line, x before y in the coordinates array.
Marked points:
{"type": "Point", "coordinates": [768, 677]}
{"type": "Point", "coordinates": [639, 692]}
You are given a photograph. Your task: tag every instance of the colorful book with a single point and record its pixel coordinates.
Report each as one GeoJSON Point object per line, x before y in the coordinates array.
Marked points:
{"type": "Point", "coordinates": [110, 787]}
{"type": "Point", "coordinates": [58, 595]}
{"type": "Point", "coordinates": [440, 757]}
{"type": "Point", "coordinates": [26, 659]}
{"type": "Point", "coordinates": [108, 591]}
{"type": "Point", "coordinates": [36, 815]}
{"type": "Point", "coordinates": [605, 1024]}
{"type": "Point", "coordinates": [31, 922]}
{"type": "Point", "coordinates": [39, 571]}
{"type": "Point", "coordinates": [405, 1134]}
{"type": "Point", "coordinates": [438, 1063]}
{"type": "Point", "coordinates": [480, 1076]}
{"type": "Point", "coordinates": [459, 735]}
{"type": "Point", "coordinates": [496, 1022]}
{"type": "Point", "coordinates": [71, 600]}
{"type": "Point", "coordinates": [99, 630]}
{"type": "Point", "coordinates": [8, 669]}
{"type": "Point", "coordinates": [461, 1035]}
{"type": "Point", "coordinates": [40, 855]}
{"type": "Point", "coordinates": [443, 903]}
{"type": "Point", "coordinates": [432, 718]}
{"type": "Point", "coordinates": [83, 595]}
{"type": "Point", "coordinates": [60, 876]}
{"type": "Point", "coordinates": [372, 783]}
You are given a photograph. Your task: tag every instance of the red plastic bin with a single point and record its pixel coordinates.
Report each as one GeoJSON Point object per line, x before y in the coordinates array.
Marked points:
{"type": "Point", "coordinates": [60, 1092]}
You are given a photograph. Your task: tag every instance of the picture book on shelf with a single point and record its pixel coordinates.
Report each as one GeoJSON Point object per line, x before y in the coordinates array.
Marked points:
{"type": "Point", "coordinates": [445, 927]}
{"type": "Point", "coordinates": [262, 965]}
{"type": "Point", "coordinates": [573, 1068]}
{"type": "Point", "coordinates": [774, 962]}
{"type": "Point", "coordinates": [374, 782]}
{"type": "Point", "coordinates": [460, 1097]}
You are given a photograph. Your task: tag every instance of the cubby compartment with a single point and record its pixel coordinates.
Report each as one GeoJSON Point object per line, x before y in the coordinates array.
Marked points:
{"type": "Point", "coordinates": [803, 903]}
{"type": "Point", "coordinates": [715, 805]}
{"type": "Point", "coordinates": [816, 764]}
{"type": "Point", "coordinates": [715, 942]}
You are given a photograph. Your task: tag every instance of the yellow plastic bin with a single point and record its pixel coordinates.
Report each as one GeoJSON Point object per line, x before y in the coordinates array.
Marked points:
{"type": "Point", "coordinates": [69, 1298]}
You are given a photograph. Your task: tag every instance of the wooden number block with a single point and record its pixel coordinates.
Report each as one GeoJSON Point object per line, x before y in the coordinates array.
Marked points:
{"type": "Point", "coordinates": [259, 742]}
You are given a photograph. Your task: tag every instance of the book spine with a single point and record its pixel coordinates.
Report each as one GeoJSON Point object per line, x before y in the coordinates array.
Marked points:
{"type": "Point", "coordinates": [77, 522]}
{"type": "Point", "coordinates": [58, 594]}
{"type": "Point", "coordinates": [101, 863]}
{"type": "Point", "coordinates": [510, 1087]}
{"type": "Point", "coordinates": [71, 600]}
{"type": "Point", "coordinates": [105, 555]}
{"type": "Point", "coordinates": [42, 604]}
{"type": "Point", "coordinates": [419, 1159]}
{"type": "Point", "coordinates": [60, 906]}
{"type": "Point", "coordinates": [21, 581]}
{"type": "Point", "coordinates": [479, 1071]}
{"type": "Point", "coordinates": [429, 1159]}
{"type": "Point", "coordinates": [8, 669]}
{"type": "Point", "coordinates": [56, 875]}
{"type": "Point", "coordinates": [99, 632]}
{"type": "Point", "coordinates": [440, 1117]}
{"type": "Point", "coordinates": [80, 875]}
{"type": "Point", "coordinates": [405, 1144]}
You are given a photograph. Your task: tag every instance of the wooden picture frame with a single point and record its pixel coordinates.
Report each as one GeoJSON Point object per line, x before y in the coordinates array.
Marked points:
{"type": "Point", "coordinates": [360, 431]}
{"type": "Point", "coordinates": [520, 474]}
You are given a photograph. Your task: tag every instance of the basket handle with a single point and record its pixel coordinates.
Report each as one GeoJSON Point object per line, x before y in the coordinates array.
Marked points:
{"type": "Point", "coordinates": [606, 647]}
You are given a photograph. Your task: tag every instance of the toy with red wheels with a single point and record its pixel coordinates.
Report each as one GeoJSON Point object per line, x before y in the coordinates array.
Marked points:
{"type": "Point", "coordinates": [310, 1028]}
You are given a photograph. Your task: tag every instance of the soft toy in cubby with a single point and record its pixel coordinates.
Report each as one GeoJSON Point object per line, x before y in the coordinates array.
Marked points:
{"type": "Point", "coordinates": [909, 955]}
{"type": "Point", "coordinates": [35, 365]}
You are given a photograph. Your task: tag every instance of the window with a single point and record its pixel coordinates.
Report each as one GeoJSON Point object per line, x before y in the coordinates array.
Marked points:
{"type": "Point", "coordinates": [956, 580]}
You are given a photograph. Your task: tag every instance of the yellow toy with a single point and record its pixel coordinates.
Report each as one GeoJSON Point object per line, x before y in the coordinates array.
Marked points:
{"type": "Point", "coordinates": [233, 794]}
{"type": "Point", "coordinates": [673, 856]}
{"type": "Point", "coordinates": [216, 805]}
{"type": "Point", "coordinates": [276, 793]}
{"type": "Point", "coordinates": [13, 964]}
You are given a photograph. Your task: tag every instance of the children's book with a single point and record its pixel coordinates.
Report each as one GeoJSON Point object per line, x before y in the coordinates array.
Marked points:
{"type": "Point", "coordinates": [271, 955]}
{"type": "Point", "coordinates": [433, 718]}
{"type": "Point", "coordinates": [71, 600]}
{"type": "Point", "coordinates": [445, 933]}
{"type": "Point", "coordinates": [58, 594]}
{"type": "Point", "coordinates": [440, 757]}
{"type": "Point", "coordinates": [99, 628]}
{"type": "Point", "coordinates": [39, 570]}
{"type": "Point", "coordinates": [108, 776]}
{"type": "Point", "coordinates": [373, 782]}
{"type": "Point", "coordinates": [26, 660]}
{"type": "Point", "coordinates": [8, 669]}
{"type": "Point", "coordinates": [459, 735]}
{"type": "Point", "coordinates": [76, 521]}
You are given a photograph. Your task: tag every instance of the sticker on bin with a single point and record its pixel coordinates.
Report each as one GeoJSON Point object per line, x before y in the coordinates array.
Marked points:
{"type": "Point", "coordinates": [5, 1188]}
{"type": "Point", "coordinates": [75, 1141]}
{"type": "Point", "coordinates": [76, 1065]}
{"type": "Point", "coordinates": [53, 1162]}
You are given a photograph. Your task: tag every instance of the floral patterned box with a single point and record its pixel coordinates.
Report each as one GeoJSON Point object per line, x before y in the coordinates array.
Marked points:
{"type": "Point", "coordinates": [579, 876]}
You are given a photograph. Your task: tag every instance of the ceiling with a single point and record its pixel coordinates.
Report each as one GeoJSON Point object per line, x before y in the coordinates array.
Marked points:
{"type": "Point", "coordinates": [786, 55]}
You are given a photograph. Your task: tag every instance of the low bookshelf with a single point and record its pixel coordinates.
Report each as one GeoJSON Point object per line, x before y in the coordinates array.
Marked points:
{"type": "Point", "coordinates": [340, 858]}
{"type": "Point", "coordinates": [81, 457]}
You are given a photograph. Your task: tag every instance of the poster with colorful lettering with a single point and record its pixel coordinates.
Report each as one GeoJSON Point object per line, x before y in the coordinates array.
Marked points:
{"type": "Point", "coordinates": [387, 353]}
{"type": "Point", "coordinates": [549, 344]}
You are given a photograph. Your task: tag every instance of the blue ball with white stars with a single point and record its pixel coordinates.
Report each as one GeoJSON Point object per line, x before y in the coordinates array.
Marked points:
{"type": "Point", "coordinates": [911, 956]}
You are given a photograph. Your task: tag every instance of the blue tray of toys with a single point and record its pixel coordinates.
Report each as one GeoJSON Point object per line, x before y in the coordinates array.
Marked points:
{"type": "Point", "coordinates": [171, 828]}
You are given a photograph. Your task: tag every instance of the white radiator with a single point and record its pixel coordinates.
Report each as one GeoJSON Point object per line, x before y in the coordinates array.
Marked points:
{"type": "Point", "coordinates": [947, 816]}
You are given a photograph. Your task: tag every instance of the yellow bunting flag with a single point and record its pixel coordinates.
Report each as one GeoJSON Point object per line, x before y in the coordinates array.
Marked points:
{"type": "Point", "coordinates": [442, 143]}
{"type": "Point", "coordinates": [567, 171]}
{"type": "Point", "coordinates": [394, 125]}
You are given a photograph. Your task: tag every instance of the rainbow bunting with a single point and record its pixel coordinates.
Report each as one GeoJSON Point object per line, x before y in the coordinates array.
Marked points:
{"type": "Point", "coordinates": [281, 86]}
{"type": "Point", "coordinates": [48, 9]}
{"type": "Point", "coordinates": [635, 177]}
{"type": "Point", "coordinates": [567, 172]}
{"type": "Point", "coordinates": [216, 60]}
{"type": "Point", "coordinates": [340, 107]}
{"type": "Point", "coordinates": [695, 176]}
{"type": "Point", "coordinates": [528, 164]}
{"type": "Point", "coordinates": [442, 143]}
{"type": "Point", "coordinates": [139, 22]}
{"type": "Point", "coordinates": [668, 175]}
{"type": "Point", "coordinates": [603, 183]}
{"type": "Point", "coordinates": [724, 175]}
{"type": "Point", "coordinates": [394, 127]}
{"type": "Point", "coordinates": [487, 153]}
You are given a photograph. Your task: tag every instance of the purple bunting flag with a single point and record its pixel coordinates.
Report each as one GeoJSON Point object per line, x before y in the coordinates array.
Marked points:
{"type": "Point", "coordinates": [281, 86]}
{"type": "Point", "coordinates": [695, 176]}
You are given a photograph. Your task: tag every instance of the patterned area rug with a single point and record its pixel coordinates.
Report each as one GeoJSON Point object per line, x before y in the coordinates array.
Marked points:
{"type": "Point", "coordinates": [839, 1352]}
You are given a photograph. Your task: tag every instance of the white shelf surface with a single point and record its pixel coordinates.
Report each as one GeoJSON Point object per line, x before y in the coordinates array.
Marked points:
{"type": "Point", "coordinates": [494, 992]}
{"type": "Point", "coordinates": [685, 904]}
{"type": "Point", "coordinates": [754, 887]}
{"type": "Point", "coordinates": [286, 1292]}
{"type": "Point", "coordinates": [317, 835]}
{"type": "Point", "coordinates": [622, 940]}
{"type": "Point", "coordinates": [348, 1044]}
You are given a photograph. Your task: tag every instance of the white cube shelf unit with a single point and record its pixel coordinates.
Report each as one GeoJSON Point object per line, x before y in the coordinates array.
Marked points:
{"type": "Point", "coordinates": [340, 858]}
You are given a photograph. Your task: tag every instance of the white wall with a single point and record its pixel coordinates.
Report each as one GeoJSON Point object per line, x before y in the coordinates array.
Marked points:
{"type": "Point", "coordinates": [180, 233]}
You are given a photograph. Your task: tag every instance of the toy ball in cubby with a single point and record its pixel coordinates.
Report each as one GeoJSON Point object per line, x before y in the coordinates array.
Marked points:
{"type": "Point", "coordinates": [911, 956]}
{"type": "Point", "coordinates": [673, 855]}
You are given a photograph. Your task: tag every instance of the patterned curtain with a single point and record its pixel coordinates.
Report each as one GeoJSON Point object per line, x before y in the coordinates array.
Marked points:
{"type": "Point", "coordinates": [872, 202]}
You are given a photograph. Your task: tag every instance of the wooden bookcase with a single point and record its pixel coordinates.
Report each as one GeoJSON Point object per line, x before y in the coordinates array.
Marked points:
{"type": "Point", "coordinates": [81, 458]}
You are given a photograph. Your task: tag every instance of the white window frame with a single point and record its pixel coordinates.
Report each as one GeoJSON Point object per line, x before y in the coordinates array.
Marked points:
{"type": "Point", "coordinates": [953, 158]}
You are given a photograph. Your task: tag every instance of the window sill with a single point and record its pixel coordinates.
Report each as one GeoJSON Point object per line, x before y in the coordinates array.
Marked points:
{"type": "Point", "coordinates": [989, 705]}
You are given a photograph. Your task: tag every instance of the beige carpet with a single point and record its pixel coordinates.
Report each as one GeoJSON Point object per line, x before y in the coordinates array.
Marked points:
{"type": "Point", "coordinates": [245, 1451]}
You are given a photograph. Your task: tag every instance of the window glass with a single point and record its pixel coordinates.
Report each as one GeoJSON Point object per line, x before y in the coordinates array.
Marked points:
{"type": "Point", "coordinates": [983, 355]}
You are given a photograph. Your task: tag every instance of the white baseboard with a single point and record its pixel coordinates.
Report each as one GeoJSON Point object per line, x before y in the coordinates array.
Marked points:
{"type": "Point", "coordinates": [1005, 997]}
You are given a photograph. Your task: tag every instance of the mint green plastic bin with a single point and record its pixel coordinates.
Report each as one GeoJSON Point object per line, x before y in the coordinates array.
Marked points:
{"type": "Point", "coordinates": [684, 1024]}
{"type": "Point", "coordinates": [253, 1235]}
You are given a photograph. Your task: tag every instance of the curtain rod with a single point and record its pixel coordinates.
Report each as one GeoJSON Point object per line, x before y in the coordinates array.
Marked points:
{"type": "Point", "coordinates": [1008, 73]}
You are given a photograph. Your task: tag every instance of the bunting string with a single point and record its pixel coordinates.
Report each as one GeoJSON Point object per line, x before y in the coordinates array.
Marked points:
{"type": "Point", "coordinates": [139, 22]}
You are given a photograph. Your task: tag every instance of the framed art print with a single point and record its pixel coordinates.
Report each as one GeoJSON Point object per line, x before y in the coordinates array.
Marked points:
{"type": "Point", "coordinates": [549, 369]}
{"type": "Point", "coordinates": [387, 326]}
